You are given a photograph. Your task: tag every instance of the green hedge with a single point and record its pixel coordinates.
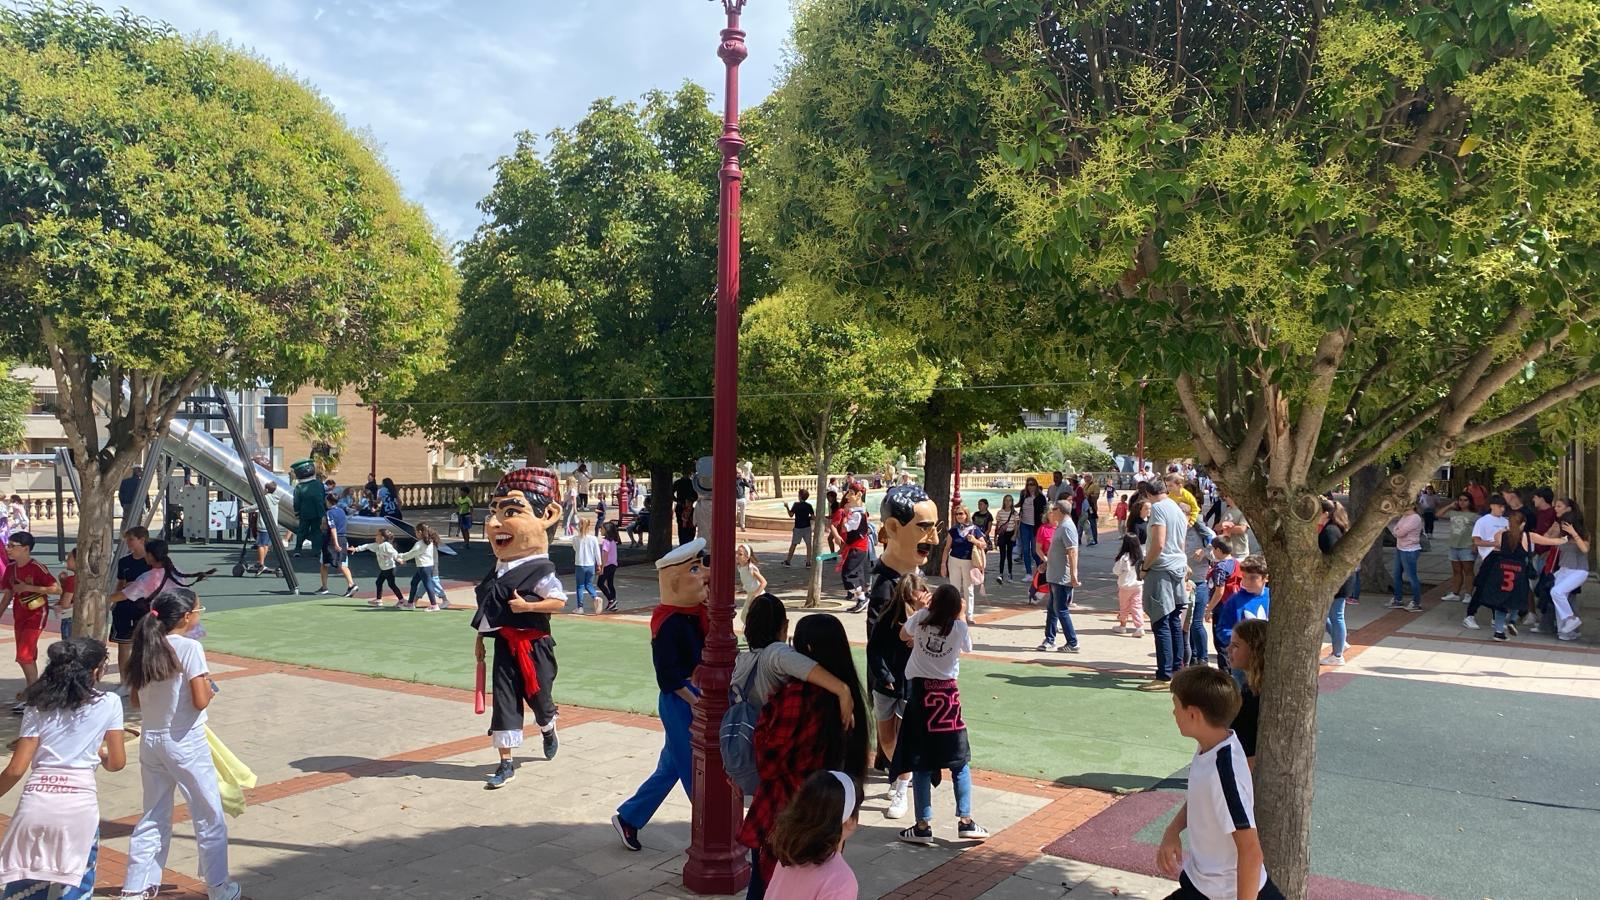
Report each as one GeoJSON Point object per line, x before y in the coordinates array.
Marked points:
{"type": "Point", "coordinates": [1037, 451]}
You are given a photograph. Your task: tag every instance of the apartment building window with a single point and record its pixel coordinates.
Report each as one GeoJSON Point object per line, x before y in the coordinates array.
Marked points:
{"type": "Point", "coordinates": [324, 404]}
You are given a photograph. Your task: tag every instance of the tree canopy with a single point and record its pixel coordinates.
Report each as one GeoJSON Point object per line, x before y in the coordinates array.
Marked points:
{"type": "Point", "coordinates": [16, 398]}
{"type": "Point", "coordinates": [1344, 231]}
{"type": "Point", "coordinates": [587, 300]}
{"type": "Point", "coordinates": [175, 212]}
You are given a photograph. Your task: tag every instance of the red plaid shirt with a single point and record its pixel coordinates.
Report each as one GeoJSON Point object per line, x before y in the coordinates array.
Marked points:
{"type": "Point", "coordinates": [789, 748]}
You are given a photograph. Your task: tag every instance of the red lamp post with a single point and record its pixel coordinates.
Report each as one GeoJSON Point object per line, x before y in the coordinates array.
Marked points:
{"type": "Point", "coordinates": [955, 493]}
{"type": "Point", "coordinates": [717, 864]}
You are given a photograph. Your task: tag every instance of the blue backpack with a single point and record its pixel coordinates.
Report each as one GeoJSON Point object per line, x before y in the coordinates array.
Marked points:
{"type": "Point", "coordinates": [737, 736]}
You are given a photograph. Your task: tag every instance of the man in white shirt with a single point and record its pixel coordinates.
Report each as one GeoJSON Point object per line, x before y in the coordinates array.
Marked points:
{"type": "Point", "coordinates": [1165, 565]}
{"type": "Point", "coordinates": [1486, 531]}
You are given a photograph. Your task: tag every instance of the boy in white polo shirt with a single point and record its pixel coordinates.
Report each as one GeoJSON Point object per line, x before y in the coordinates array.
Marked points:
{"type": "Point", "coordinates": [1224, 858]}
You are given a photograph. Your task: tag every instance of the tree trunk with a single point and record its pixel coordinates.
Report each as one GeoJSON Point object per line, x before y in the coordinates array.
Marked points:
{"type": "Point", "coordinates": [1288, 742]}
{"type": "Point", "coordinates": [538, 454]}
{"type": "Point", "coordinates": [661, 521]}
{"type": "Point", "coordinates": [777, 477]}
{"type": "Point", "coordinates": [97, 521]}
{"type": "Point", "coordinates": [1365, 485]}
{"type": "Point", "coordinates": [936, 473]}
{"type": "Point", "coordinates": [819, 539]}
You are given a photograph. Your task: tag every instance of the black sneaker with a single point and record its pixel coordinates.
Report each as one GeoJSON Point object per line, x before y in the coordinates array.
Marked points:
{"type": "Point", "coordinates": [323, 589]}
{"type": "Point", "coordinates": [350, 591]}
{"type": "Point", "coordinates": [1500, 636]}
{"type": "Point", "coordinates": [1512, 628]}
{"type": "Point", "coordinates": [1414, 607]}
{"type": "Point", "coordinates": [503, 773]}
{"type": "Point", "coordinates": [859, 606]}
{"type": "Point", "coordinates": [917, 834]}
{"type": "Point", "coordinates": [551, 743]}
{"type": "Point", "coordinates": [972, 831]}
{"type": "Point", "coordinates": [19, 709]}
{"type": "Point", "coordinates": [628, 833]}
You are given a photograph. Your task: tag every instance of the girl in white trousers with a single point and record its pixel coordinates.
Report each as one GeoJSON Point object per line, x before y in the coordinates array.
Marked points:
{"type": "Point", "coordinates": [1572, 567]}
{"type": "Point", "coordinates": [168, 674]}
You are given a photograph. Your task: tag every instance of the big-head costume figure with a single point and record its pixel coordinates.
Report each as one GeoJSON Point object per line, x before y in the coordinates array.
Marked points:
{"type": "Point", "coordinates": [677, 634]}
{"type": "Point", "coordinates": [310, 505]}
{"type": "Point", "coordinates": [908, 531]}
{"type": "Point", "coordinates": [515, 601]}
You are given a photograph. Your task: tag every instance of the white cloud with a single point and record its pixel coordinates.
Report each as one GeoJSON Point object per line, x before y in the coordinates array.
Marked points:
{"type": "Point", "coordinates": [444, 85]}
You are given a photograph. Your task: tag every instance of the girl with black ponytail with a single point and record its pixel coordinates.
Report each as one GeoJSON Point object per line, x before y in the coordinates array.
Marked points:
{"type": "Point", "coordinates": [68, 730]}
{"type": "Point", "coordinates": [169, 676]}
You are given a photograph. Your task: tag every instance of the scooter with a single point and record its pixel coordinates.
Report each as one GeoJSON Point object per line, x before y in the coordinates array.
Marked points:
{"type": "Point", "coordinates": [243, 564]}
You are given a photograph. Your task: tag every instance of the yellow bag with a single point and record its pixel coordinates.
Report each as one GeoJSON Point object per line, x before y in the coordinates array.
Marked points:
{"type": "Point", "coordinates": [233, 776]}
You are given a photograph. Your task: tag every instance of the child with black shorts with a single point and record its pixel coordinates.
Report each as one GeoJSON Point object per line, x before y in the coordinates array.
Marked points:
{"type": "Point", "coordinates": [1223, 861]}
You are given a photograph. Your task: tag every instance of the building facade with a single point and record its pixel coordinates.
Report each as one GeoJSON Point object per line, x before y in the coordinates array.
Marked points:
{"type": "Point", "coordinates": [411, 458]}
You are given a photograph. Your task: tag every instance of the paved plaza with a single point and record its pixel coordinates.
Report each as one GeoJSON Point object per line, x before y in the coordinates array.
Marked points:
{"type": "Point", "coordinates": [1437, 749]}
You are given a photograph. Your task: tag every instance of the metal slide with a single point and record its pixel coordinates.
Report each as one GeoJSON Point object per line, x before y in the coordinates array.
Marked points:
{"type": "Point", "coordinates": [189, 443]}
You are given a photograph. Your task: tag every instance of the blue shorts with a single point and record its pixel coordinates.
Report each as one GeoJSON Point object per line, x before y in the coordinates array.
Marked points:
{"type": "Point", "coordinates": [263, 539]}
{"type": "Point", "coordinates": [1463, 554]}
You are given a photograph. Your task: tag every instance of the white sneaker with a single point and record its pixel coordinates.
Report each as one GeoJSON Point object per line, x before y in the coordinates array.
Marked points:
{"type": "Point", "coordinates": [229, 891]}
{"type": "Point", "coordinates": [1046, 647]}
{"type": "Point", "coordinates": [1470, 622]}
{"type": "Point", "coordinates": [1568, 635]}
{"type": "Point", "coordinates": [1466, 598]}
{"type": "Point", "coordinates": [1450, 597]}
{"type": "Point", "coordinates": [1569, 625]}
{"type": "Point", "coordinates": [1138, 632]}
{"type": "Point", "coordinates": [1331, 660]}
{"type": "Point", "coordinates": [898, 801]}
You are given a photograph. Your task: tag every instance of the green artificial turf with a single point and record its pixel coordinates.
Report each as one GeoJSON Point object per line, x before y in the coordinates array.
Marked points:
{"type": "Point", "coordinates": [1055, 724]}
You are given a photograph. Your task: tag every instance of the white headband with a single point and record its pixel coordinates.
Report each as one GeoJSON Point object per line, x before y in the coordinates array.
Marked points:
{"type": "Point", "coordinates": [849, 793]}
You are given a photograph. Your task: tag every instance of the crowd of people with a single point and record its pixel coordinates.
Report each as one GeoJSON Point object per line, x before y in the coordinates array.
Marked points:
{"type": "Point", "coordinates": [817, 729]}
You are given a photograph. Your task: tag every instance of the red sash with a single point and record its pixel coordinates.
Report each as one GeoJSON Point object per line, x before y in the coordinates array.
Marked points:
{"type": "Point", "coordinates": [521, 641]}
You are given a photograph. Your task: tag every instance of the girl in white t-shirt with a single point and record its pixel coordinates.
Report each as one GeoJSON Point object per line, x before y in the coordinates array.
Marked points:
{"type": "Point", "coordinates": [168, 675]}
{"type": "Point", "coordinates": [750, 577]}
{"type": "Point", "coordinates": [933, 736]}
{"type": "Point", "coordinates": [68, 730]}
{"type": "Point", "coordinates": [388, 557]}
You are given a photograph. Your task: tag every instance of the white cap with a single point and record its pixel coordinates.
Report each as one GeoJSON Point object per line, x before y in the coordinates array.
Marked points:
{"type": "Point", "coordinates": [682, 554]}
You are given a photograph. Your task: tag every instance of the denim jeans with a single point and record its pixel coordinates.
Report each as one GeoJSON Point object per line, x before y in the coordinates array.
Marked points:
{"type": "Point", "coordinates": [1334, 624]}
{"type": "Point", "coordinates": [922, 793]}
{"type": "Point", "coordinates": [1025, 535]}
{"type": "Point", "coordinates": [1500, 619]}
{"type": "Point", "coordinates": [585, 583]}
{"type": "Point", "coordinates": [1405, 562]}
{"type": "Point", "coordinates": [1168, 632]}
{"type": "Point", "coordinates": [423, 578]}
{"type": "Point", "coordinates": [1057, 611]}
{"type": "Point", "coordinates": [1197, 635]}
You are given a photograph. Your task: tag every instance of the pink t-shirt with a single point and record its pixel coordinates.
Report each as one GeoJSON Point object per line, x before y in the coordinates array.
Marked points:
{"type": "Point", "coordinates": [608, 552]}
{"type": "Point", "coordinates": [832, 880]}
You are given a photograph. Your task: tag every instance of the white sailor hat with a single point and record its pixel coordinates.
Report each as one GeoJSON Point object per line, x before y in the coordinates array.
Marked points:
{"type": "Point", "coordinates": [682, 554]}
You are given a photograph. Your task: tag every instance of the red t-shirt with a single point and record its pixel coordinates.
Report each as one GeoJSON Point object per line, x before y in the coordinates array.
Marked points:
{"type": "Point", "coordinates": [17, 579]}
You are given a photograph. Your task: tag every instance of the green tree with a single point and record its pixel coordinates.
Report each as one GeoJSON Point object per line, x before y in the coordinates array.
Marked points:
{"type": "Point", "coordinates": [175, 213]}
{"type": "Point", "coordinates": [1345, 232]}
{"type": "Point", "coordinates": [814, 371]}
{"type": "Point", "coordinates": [328, 434]}
{"type": "Point", "coordinates": [16, 399]}
{"type": "Point", "coordinates": [1038, 450]}
{"type": "Point", "coordinates": [588, 292]}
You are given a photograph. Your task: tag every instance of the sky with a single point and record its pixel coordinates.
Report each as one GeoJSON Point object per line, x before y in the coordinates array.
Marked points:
{"type": "Point", "coordinates": [443, 86]}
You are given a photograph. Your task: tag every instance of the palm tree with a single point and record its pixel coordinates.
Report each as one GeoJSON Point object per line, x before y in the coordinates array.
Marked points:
{"type": "Point", "coordinates": [327, 433]}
